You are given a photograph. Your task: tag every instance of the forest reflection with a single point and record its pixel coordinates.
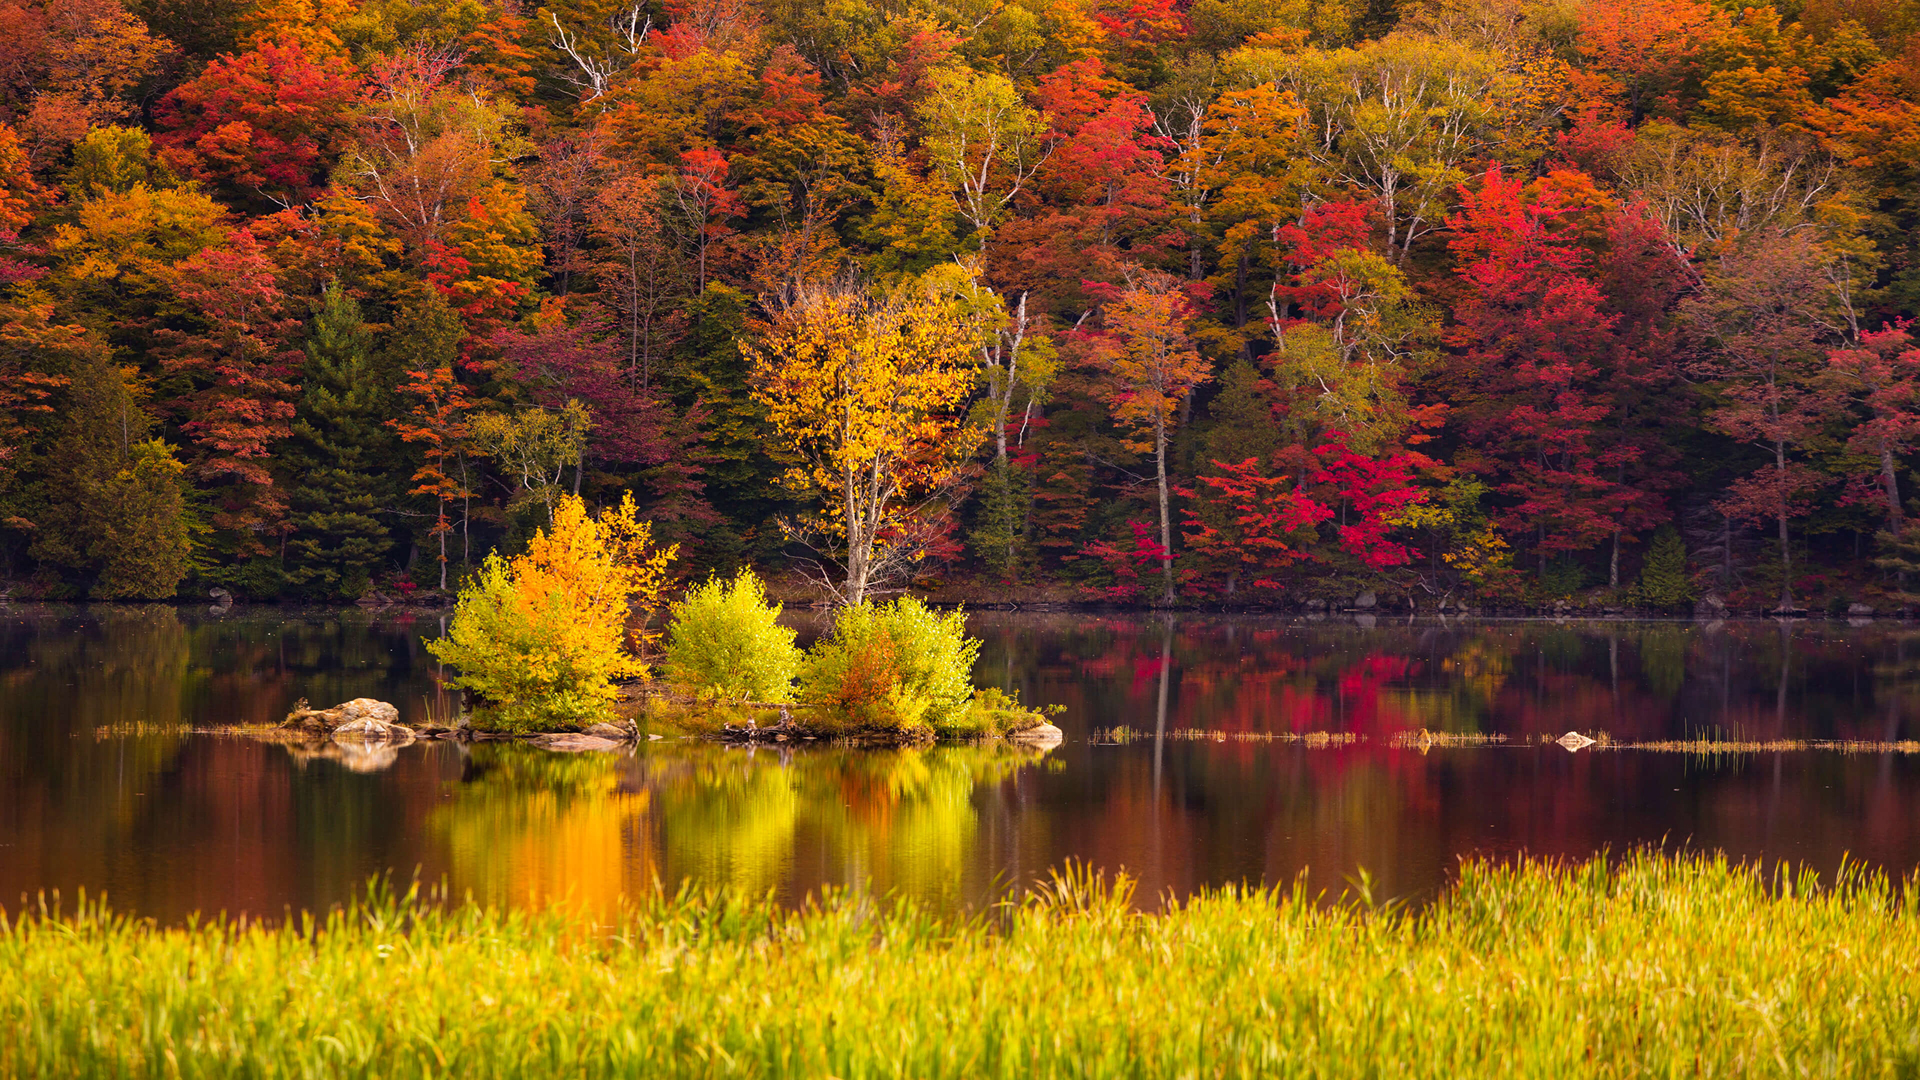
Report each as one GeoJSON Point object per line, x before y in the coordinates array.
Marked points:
{"type": "Point", "coordinates": [108, 780]}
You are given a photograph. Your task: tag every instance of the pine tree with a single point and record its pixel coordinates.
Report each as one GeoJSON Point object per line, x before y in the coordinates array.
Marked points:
{"type": "Point", "coordinates": [1663, 580]}
{"type": "Point", "coordinates": [339, 444]}
{"type": "Point", "coordinates": [1000, 532]}
{"type": "Point", "coordinates": [117, 514]}
{"type": "Point", "coordinates": [1900, 556]}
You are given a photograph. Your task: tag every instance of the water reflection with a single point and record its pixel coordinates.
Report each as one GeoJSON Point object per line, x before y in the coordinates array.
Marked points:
{"type": "Point", "coordinates": [526, 827]}
{"type": "Point", "coordinates": [109, 780]}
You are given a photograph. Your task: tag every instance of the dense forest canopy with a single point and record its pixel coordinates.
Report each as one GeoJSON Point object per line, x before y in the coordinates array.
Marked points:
{"type": "Point", "coordinates": [1248, 300]}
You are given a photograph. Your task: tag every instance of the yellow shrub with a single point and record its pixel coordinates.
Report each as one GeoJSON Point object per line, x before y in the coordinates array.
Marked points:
{"type": "Point", "coordinates": [541, 636]}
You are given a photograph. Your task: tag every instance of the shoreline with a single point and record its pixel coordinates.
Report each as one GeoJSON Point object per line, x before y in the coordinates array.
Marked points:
{"type": "Point", "coordinates": [1379, 615]}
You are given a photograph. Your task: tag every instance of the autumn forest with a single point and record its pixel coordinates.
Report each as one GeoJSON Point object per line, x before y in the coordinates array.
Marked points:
{"type": "Point", "coordinates": [1488, 302]}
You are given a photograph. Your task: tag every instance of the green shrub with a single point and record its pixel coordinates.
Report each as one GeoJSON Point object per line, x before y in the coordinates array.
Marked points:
{"type": "Point", "coordinates": [516, 657]}
{"type": "Point", "coordinates": [725, 642]}
{"type": "Point", "coordinates": [990, 712]}
{"type": "Point", "coordinates": [1663, 580]}
{"type": "Point", "coordinates": [896, 667]}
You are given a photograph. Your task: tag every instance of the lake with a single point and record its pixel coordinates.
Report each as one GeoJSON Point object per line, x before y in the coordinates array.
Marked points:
{"type": "Point", "coordinates": [115, 778]}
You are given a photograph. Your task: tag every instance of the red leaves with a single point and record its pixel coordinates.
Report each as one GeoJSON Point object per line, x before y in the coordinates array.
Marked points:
{"type": "Point", "coordinates": [1885, 374]}
{"type": "Point", "coordinates": [560, 361]}
{"type": "Point", "coordinates": [1252, 521]}
{"type": "Point", "coordinates": [239, 371]}
{"type": "Point", "coordinates": [1143, 22]}
{"type": "Point", "coordinates": [1321, 232]}
{"type": "Point", "coordinates": [1126, 563]}
{"type": "Point", "coordinates": [1268, 523]}
{"type": "Point", "coordinates": [1377, 490]}
{"type": "Point", "coordinates": [1544, 366]}
{"type": "Point", "coordinates": [269, 120]}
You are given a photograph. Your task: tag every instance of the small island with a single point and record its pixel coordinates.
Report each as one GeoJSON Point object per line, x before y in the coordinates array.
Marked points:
{"type": "Point", "coordinates": [558, 641]}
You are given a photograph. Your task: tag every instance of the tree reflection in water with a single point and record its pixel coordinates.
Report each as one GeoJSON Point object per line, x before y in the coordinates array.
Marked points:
{"type": "Point", "coordinates": [103, 783]}
{"type": "Point", "coordinates": [524, 826]}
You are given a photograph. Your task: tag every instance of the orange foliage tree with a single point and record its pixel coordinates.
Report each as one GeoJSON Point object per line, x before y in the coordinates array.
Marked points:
{"type": "Point", "coordinates": [1150, 366]}
{"type": "Point", "coordinates": [542, 636]}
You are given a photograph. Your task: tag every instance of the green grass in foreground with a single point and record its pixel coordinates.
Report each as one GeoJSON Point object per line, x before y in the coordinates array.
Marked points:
{"type": "Point", "coordinates": [1661, 966]}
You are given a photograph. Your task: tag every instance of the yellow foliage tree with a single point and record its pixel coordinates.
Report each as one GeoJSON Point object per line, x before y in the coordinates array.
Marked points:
{"type": "Point", "coordinates": [541, 636]}
{"type": "Point", "coordinates": [867, 390]}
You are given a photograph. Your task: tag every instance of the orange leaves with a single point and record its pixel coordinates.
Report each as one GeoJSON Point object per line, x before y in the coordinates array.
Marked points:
{"type": "Point", "coordinates": [1143, 347]}
{"type": "Point", "coordinates": [542, 636]}
{"type": "Point", "coordinates": [1641, 55]}
{"type": "Point", "coordinates": [1875, 124]}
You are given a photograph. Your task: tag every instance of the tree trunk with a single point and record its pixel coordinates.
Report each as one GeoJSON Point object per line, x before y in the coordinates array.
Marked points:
{"type": "Point", "coordinates": [857, 552]}
{"type": "Point", "coordinates": [1166, 511]}
{"type": "Point", "coordinates": [1613, 563]}
{"type": "Point", "coordinates": [1890, 481]}
{"type": "Point", "coordinates": [466, 515]}
{"type": "Point", "coordinates": [1786, 554]}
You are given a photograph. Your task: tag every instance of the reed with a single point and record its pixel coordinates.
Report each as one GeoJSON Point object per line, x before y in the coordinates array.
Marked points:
{"type": "Point", "coordinates": [1423, 739]}
{"type": "Point", "coordinates": [1652, 966]}
{"type": "Point", "coordinates": [1708, 747]}
{"type": "Point", "coordinates": [1318, 740]}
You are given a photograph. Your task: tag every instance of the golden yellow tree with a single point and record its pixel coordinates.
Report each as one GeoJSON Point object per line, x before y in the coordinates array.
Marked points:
{"type": "Point", "coordinates": [542, 636]}
{"type": "Point", "coordinates": [866, 389]}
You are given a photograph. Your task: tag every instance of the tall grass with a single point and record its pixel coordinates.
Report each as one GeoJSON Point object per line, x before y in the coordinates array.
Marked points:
{"type": "Point", "coordinates": [1658, 966]}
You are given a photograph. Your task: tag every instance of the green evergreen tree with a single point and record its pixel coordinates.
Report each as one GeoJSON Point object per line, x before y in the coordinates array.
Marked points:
{"type": "Point", "coordinates": [1663, 580]}
{"type": "Point", "coordinates": [739, 470]}
{"type": "Point", "coordinates": [341, 458]}
{"type": "Point", "coordinates": [1900, 556]}
{"type": "Point", "coordinates": [1001, 530]}
{"type": "Point", "coordinates": [117, 513]}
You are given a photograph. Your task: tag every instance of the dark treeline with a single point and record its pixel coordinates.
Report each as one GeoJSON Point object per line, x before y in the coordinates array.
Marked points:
{"type": "Point", "coordinates": [1510, 300]}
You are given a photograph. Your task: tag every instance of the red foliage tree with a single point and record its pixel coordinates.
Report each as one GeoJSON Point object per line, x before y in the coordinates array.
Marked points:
{"type": "Point", "coordinates": [1883, 374]}
{"type": "Point", "coordinates": [632, 423]}
{"type": "Point", "coordinates": [270, 120]}
{"type": "Point", "coordinates": [1269, 524]}
{"type": "Point", "coordinates": [1103, 195]}
{"type": "Point", "coordinates": [239, 373]}
{"type": "Point", "coordinates": [1371, 492]}
{"type": "Point", "coordinates": [1540, 356]}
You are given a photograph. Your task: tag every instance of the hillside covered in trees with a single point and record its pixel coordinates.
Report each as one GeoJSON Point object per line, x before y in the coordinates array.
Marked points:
{"type": "Point", "coordinates": [1259, 300]}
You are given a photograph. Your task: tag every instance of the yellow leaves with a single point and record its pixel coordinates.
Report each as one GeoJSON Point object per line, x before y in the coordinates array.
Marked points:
{"type": "Point", "coordinates": [139, 231]}
{"type": "Point", "coordinates": [1478, 553]}
{"type": "Point", "coordinates": [913, 217]}
{"type": "Point", "coordinates": [867, 389]}
{"type": "Point", "coordinates": [1527, 108]}
{"type": "Point", "coordinates": [542, 635]}
{"type": "Point", "coordinates": [983, 139]}
{"type": "Point", "coordinates": [1473, 547]}
{"type": "Point", "coordinates": [1251, 134]}
{"type": "Point", "coordinates": [540, 444]}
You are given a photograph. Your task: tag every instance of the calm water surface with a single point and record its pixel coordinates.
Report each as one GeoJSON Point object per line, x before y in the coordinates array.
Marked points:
{"type": "Point", "coordinates": [102, 787]}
